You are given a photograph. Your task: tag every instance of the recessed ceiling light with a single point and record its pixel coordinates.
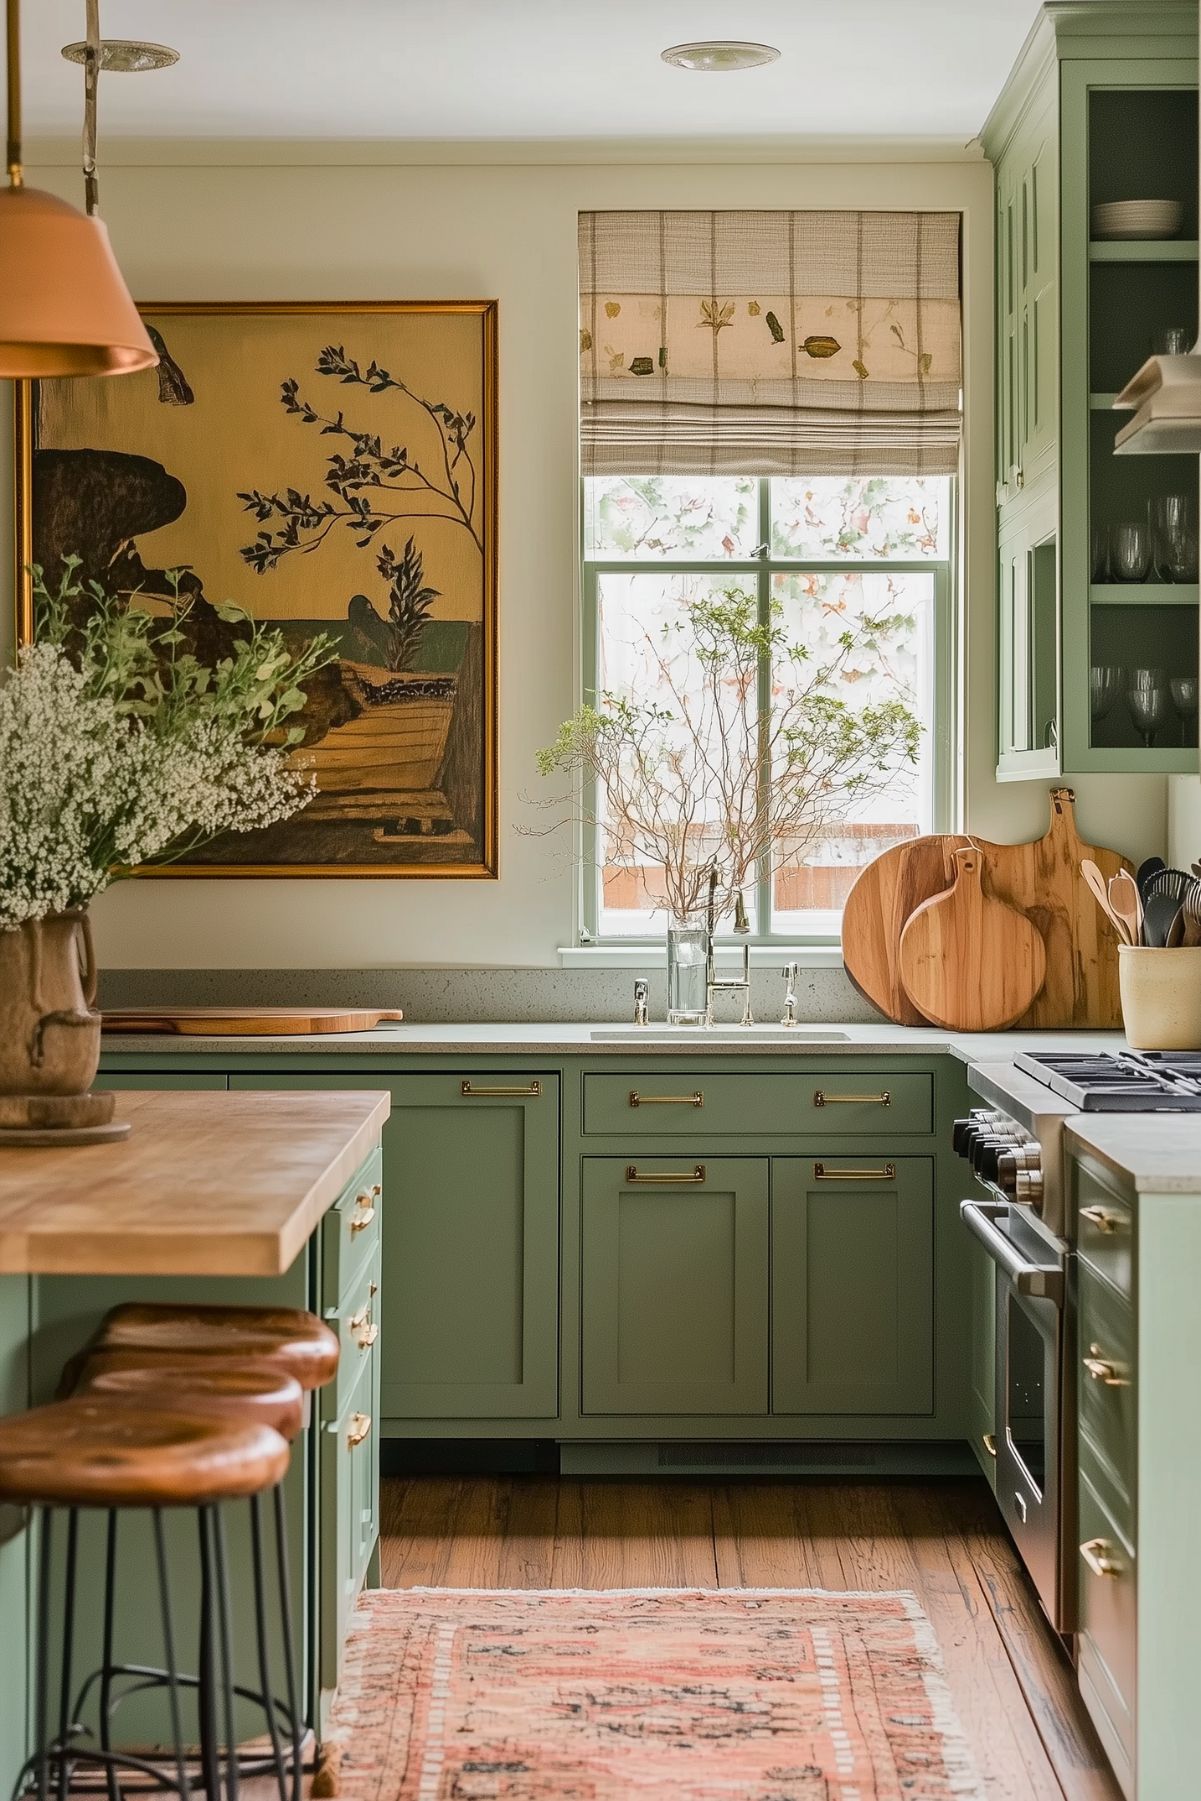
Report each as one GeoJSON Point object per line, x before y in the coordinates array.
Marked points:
{"type": "Point", "coordinates": [124, 57]}
{"type": "Point", "coordinates": [719, 56]}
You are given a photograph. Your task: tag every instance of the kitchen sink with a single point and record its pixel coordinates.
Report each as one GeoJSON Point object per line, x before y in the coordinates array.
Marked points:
{"type": "Point", "coordinates": [714, 1035]}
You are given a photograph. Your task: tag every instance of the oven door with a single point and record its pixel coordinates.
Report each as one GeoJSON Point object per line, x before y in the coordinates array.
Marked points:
{"type": "Point", "coordinates": [1030, 1286]}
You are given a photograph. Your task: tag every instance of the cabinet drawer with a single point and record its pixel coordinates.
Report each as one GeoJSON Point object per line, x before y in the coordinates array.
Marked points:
{"type": "Point", "coordinates": [350, 1231]}
{"type": "Point", "coordinates": [1106, 1391]}
{"type": "Point", "coordinates": [1107, 1643]}
{"type": "Point", "coordinates": [836, 1103]}
{"type": "Point", "coordinates": [356, 1321]}
{"type": "Point", "coordinates": [349, 1484]}
{"type": "Point", "coordinates": [1104, 1230]}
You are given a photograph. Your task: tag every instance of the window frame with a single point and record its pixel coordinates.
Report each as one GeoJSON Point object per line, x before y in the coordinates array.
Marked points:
{"type": "Point", "coordinates": [761, 569]}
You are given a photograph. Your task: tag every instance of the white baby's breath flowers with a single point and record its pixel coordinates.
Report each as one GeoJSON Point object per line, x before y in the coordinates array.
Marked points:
{"type": "Point", "coordinates": [117, 748]}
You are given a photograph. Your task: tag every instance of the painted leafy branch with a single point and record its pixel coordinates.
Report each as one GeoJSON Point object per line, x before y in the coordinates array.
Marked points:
{"type": "Point", "coordinates": [701, 780]}
{"type": "Point", "coordinates": [369, 485]}
{"type": "Point", "coordinates": [396, 638]}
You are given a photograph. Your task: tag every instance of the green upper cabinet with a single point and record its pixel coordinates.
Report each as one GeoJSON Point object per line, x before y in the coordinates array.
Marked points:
{"type": "Point", "coordinates": [1100, 107]}
{"type": "Point", "coordinates": [674, 1285]}
{"type": "Point", "coordinates": [470, 1243]}
{"type": "Point", "coordinates": [852, 1285]}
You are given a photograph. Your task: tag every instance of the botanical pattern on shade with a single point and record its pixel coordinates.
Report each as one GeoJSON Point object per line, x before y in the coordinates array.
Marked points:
{"type": "Point", "coordinates": [764, 1695]}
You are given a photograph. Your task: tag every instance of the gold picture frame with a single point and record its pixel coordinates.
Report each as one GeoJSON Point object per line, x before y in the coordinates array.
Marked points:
{"type": "Point", "coordinates": [404, 739]}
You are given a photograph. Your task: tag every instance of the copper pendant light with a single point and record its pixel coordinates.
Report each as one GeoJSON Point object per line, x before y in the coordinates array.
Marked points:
{"type": "Point", "coordinates": [64, 306]}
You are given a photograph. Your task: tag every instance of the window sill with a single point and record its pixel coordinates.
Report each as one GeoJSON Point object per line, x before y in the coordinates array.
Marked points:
{"type": "Point", "coordinates": [653, 956]}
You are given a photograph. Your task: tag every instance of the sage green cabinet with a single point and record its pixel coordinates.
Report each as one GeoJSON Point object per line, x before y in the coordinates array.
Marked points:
{"type": "Point", "coordinates": [470, 1242]}
{"type": "Point", "coordinates": [852, 1257]}
{"type": "Point", "coordinates": [674, 1285]}
{"type": "Point", "coordinates": [14, 1539]}
{"type": "Point", "coordinates": [1027, 263]}
{"type": "Point", "coordinates": [1028, 650]}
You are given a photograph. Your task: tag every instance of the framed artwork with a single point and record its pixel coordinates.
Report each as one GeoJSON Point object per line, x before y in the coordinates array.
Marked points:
{"type": "Point", "coordinates": [327, 468]}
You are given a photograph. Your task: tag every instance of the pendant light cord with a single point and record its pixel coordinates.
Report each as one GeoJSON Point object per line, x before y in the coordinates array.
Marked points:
{"type": "Point", "coordinates": [91, 72]}
{"type": "Point", "coordinates": [16, 175]}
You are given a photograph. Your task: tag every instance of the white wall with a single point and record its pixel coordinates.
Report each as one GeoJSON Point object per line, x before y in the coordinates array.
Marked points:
{"type": "Point", "coordinates": [248, 230]}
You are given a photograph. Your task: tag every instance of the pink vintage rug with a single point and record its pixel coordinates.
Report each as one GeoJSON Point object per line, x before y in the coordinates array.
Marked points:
{"type": "Point", "coordinates": [562, 1695]}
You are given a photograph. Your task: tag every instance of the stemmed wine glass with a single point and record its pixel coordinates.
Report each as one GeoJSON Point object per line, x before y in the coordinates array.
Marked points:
{"type": "Point", "coordinates": [1104, 685]}
{"type": "Point", "coordinates": [1184, 699]}
{"type": "Point", "coordinates": [1148, 699]}
{"type": "Point", "coordinates": [1174, 537]}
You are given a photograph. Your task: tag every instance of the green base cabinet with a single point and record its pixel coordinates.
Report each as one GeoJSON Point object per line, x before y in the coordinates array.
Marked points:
{"type": "Point", "coordinates": [674, 1286]}
{"type": "Point", "coordinates": [470, 1242]}
{"type": "Point", "coordinates": [852, 1285]}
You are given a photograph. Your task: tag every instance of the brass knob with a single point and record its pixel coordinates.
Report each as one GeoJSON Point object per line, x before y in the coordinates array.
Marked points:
{"type": "Point", "coordinates": [360, 1426]}
{"type": "Point", "coordinates": [360, 1221]}
{"type": "Point", "coordinates": [1095, 1553]}
{"type": "Point", "coordinates": [1104, 1369]}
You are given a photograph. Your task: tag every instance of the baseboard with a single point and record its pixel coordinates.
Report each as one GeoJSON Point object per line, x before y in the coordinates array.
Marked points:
{"type": "Point", "coordinates": [817, 1458]}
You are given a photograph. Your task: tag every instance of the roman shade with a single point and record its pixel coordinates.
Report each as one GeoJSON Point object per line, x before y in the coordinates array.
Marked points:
{"type": "Point", "coordinates": [770, 343]}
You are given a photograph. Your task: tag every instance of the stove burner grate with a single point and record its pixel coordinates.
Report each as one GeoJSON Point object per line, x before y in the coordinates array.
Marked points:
{"type": "Point", "coordinates": [1119, 1082]}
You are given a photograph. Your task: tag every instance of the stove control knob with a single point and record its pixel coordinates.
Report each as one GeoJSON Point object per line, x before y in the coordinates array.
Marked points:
{"type": "Point", "coordinates": [986, 1157]}
{"type": "Point", "coordinates": [1005, 1174]}
{"type": "Point", "coordinates": [962, 1133]}
{"type": "Point", "coordinates": [1029, 1188]}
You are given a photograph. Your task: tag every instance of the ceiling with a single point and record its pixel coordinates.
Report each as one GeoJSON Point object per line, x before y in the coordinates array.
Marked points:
{"type": "Point", "coordinates": [392, 70]}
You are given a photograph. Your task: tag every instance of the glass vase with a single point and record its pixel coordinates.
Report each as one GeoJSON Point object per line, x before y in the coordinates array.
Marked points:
{"type": "Point", "coordinates": [687, 972]}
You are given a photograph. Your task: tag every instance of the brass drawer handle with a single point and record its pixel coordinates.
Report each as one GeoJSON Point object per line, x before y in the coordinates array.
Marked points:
{"type": "Point", "coordinates": [1104, 1222]}
{"type": "Point", "coordinates": [532, 1092]}
{"type": "Point", "coordinates": [1096, 1555]}
{"type": "Point", "coordinates": [365, 1210]}
{"type": "Point", "coordinates": [989, 1441]}
{"type": "Point", "coordinates": [696, 1099]}
{"type": "Point", "coordinates": [360, 1426]}
{"type": "Point", "coordinates": [822, 1099]}
{"type": "Point", "coordinates": [887, 1173]}
{"type": "Point", "coordinates": [687, 1175]}
{"type": "Point", "coordinates": [1103, 1369]}
{"type": "Point", "coordinates": [362, 1328]}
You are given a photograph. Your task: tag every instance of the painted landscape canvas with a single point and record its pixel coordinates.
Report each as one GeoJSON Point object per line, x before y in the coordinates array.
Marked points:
{"type": "Point", "coordinates": [331, 470]}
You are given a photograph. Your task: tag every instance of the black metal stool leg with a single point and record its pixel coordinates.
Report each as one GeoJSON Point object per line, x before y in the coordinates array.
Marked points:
{"type": "Point", "coordinates": [106, 1675]}
{"type": "Point", "coordinates": [42, 1669]}
{"type": "Point", "coordinates": [285, 1609]}
{"type": "Point", "coordinates": [164, 1589]}
{"type": "Point", "coordinates": [210, 1746]}
{"type": "Point", "coordinates": [260, 1627]}
{"type": "Point", "coordinates": [227, 1669]}
{"type": "Point", "coordinates": [64, 1693]}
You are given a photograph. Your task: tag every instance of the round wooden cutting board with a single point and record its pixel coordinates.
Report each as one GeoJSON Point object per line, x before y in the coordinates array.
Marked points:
{"type": "Point", "coordinates": [246, 1022]}
{"type": "Point", "coordinates": [968, 961]}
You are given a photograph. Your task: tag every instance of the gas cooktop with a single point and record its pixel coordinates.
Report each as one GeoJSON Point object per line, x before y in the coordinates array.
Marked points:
{"type": "Point", "coordinates": [1119, 1081]}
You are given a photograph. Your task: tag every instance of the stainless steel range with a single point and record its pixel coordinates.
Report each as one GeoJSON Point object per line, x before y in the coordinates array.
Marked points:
{"type": "Point", "coordinates": [1019, 1213]}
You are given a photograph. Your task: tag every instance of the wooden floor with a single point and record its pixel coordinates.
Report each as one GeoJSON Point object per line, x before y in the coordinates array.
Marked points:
{"type": "Point", "coordinates": [1013, 1688]}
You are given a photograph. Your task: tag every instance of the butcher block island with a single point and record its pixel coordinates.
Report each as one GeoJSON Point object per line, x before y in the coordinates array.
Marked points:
{"type": "Point", "coordinates": [271, 1199]}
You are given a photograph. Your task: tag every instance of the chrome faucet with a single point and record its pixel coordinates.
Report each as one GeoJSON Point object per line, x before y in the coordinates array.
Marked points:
{"type": "Point", "coordinates": [642, 998]}
{"type": "Point", "coordinates": [791, 971]}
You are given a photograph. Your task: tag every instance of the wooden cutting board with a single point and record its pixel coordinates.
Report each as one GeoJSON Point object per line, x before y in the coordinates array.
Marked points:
{"type": "Point", "coordinates": [246, 1022]}
{"type": "Point", "coordinates": [969, 961]}
{"type": "Point", "coordinates": [1042, 879]}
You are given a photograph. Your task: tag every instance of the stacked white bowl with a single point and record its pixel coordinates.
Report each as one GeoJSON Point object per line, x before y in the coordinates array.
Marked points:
{"type": "Point", "coordinates": [1137, 219]}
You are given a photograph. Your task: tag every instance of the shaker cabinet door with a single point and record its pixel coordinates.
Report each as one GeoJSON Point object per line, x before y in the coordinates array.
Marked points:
{"type": "Point", "coordinates": [674, 1285]}
{"type": "Point", "coordinates": [852, 1285]}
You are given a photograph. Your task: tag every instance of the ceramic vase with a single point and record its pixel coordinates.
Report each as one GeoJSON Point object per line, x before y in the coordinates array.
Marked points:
{"type": "Point", "coordinates": [49, 1029]}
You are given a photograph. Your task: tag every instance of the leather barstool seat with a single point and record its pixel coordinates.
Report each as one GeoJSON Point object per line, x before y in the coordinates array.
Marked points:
{"type": "Point", "coordinates": [287, 1337]}
{"type": "Point", "coordinates": [216, 1387]}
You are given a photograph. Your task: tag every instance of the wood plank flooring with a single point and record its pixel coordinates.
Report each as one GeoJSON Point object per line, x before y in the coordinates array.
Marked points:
{"type": "Point", "coordinates": [1013, 1687]}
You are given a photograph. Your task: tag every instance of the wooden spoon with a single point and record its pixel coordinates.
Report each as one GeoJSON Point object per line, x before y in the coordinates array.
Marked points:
{"type": "Point", "coordinates": [1100, 893]}
{"type": "Point", "coordinates": [1127, 904]}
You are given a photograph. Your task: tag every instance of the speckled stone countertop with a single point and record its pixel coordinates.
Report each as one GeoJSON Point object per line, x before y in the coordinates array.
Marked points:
{"type": "Point", "coordinates": [558, 1040]}
{"type": "Point", "coordinates": [1156, 1153]}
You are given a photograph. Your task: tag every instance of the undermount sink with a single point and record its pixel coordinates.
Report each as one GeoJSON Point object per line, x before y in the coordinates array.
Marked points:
{"type": "Point", "coordinates": [714, 1035]}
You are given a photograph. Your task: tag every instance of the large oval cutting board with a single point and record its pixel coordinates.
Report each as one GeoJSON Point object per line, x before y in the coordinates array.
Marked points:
{"type": "Point", "coordinates": [969, 961]}
{"type": "Point", "coordinates": [1041, 879]}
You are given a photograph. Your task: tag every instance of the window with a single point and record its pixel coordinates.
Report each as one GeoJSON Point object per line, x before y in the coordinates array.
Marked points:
{"type": "Point", "coordinates": [817, 554]}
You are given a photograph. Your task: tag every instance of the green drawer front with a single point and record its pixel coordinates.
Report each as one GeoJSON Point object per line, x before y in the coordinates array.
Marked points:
{"type": "Point", "coordinates": [348, 1485]}
{"type": "Point", "coordinates": [699, 1105]}
{"type": "Point", "coordinates": [350, 1231]}
{"type": "Point", "coordinates": [1107, 1642]}
{"type": "Point", "coordinates": [1107, 1395]}
{"type": "Point", "coordinates": [1104, 1230]}
{"type": "Point", "coordinates": [356, 1320]}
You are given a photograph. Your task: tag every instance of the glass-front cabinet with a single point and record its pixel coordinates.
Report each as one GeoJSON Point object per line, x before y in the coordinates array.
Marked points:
{"type": "Point", "coordinates": [1095, 145]}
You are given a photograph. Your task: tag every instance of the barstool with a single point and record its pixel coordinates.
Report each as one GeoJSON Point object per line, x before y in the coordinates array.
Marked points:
{"type": "Point", "coordinates": [105, 1453]}
{"type": "Point", "coordinates": [287, 1337]}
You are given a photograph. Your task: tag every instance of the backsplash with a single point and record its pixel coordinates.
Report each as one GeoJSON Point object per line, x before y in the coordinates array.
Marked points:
{"type": "Point", "coordinates": [483, 996]}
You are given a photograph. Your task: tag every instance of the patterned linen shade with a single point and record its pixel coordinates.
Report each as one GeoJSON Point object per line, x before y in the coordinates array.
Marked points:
{"type": "Point", "coordinates": [770, 343]}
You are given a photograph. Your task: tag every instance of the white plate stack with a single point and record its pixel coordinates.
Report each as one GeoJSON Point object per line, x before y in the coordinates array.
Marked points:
{"type": "Point", "coordinates": [1138, 219]}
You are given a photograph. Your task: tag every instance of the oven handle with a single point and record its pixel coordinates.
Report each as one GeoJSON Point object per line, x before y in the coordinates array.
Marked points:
{"type": "Point", "coordinates": [1042, 1281]}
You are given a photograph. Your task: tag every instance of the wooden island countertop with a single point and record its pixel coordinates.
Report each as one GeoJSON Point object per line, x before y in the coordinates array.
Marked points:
{"type": "Point", "coordinates": [208, 1183]}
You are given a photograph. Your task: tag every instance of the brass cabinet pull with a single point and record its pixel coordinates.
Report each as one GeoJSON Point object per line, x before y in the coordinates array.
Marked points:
{"type": "Point", "coordinates": [1096, 1555]}
{"type": "Point", "coordinates": [671, 1175]}
{"type": "Point", "coordinates": [365, 1209]}
{"type": "Point", "coordinates": [1103, 1369]}
{"type": "Point", "coordinates": [822, 1099]}
{"type": "Point", "coordinates": [363, 1330]}
{"type": "Point", "coordinates": [887, 1173]}
{"type": "Point", "coordinates": [360, 1426]}
{"type": "Point", "coordinates": [1104, 1222]}
{"type": "Point", "coordinates": [532, 1092]}
{"type": "Point", "coordinates": [696, 1099]}
{"type": "Point", "coordinates": [989, 1441]}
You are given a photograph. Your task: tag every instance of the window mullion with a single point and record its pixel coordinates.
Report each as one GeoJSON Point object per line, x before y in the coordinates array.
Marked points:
{"type": "Point", "coordinates": [763, 885]}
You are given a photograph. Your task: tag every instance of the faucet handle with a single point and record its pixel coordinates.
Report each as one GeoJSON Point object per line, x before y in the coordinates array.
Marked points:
{"type": "Point", "coordinates": [790, 973]}
{"type": "Point", "coordinates": [642, 995]}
